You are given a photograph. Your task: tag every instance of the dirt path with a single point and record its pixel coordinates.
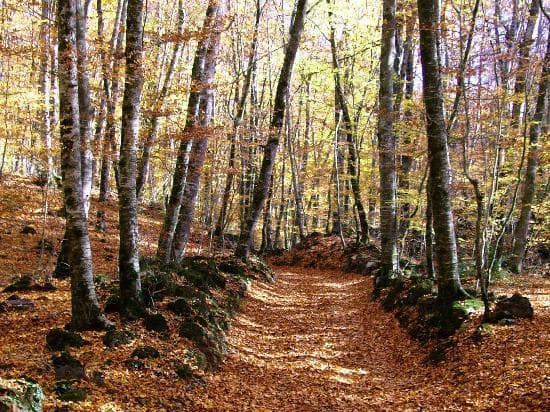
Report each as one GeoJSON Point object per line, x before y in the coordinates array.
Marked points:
{"type": "Point", "coordinates": [312, 341]}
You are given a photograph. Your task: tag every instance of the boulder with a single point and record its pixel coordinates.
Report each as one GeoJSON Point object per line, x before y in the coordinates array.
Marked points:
{"type": "Point", "coordinates": [28, 230]}
{"type": "Point", "coordinates": [145, 352]}
{"type": "Point", "coordinates": [155, 323]}
{"type": "Point", "coordinates": [16, 303]}
{"type": "Point", "coordinates": [180, 307]}
{"type": "Point", "coordinates": [21, 284]}
{"type": "Point", "coordinates": [67, 367]}
{"type": "Point", "coordinates": [66, 392]}
{"type": "Point", "coordinates": [514, 307]}
{"type": "Point", "coordinates": [59, 339]}
{"type": "Point", "coordinates": [114, 338]}
{"type": "Point", "coordinates": [20, 395]}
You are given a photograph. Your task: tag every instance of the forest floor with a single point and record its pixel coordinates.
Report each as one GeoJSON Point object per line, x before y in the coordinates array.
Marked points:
{"type": "Point", "coordinates": [312, 341]}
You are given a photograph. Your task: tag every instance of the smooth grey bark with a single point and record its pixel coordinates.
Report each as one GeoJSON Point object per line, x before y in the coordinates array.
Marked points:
{"type": "Point", "coordinates": [447, 277]}
{"type": "Point", "coordinates": [111, 88]}
{"type": "Point", "coordinates": [270, 150]}
{"type": "Point", "coordinates": [45, 86]}
{"type": "Point", "coordinates": [85, 103]}
{"type": "Point", "coordinates": [524, 63]}
{"type": "Point", "coordinates": [86, 313]}
{"type": "Point", "coordinates": [128, 265]}
{"type": "Point", "coordinates": [200, 142]}
{"type": "Point", "coordinates": [389, 265]}
{"type": "Point", "coordinates": [143, 169]}
{"type": "Point", "coordinates": [166, 237]}
{"type": "Point", "coordinates": [529, 183]}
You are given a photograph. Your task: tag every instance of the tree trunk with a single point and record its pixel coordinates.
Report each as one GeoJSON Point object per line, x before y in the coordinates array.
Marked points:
{"type": "Point", "coordinates": [200, 143]}
{"type": "Point", "coordinates": [270, 149]}
{"type": "Point", "coordinates": [130, 283]}
{"type": "Point", "coordinates": [448, 281]}
{"type": "Point", "coordinates": [166, 238]}
{"type": "Point", "coordinates": [529, 186]}
{"type": "Point", "coordinates": [84, 101]}
{"type": "Point", "coordinates": [45, 86]}
{"type": "Point", "coordinates": [143, 170]}
{"type": "Point", "coordinates": [389, 265]}
{"type": "Point", "coordinates": [86, 313]}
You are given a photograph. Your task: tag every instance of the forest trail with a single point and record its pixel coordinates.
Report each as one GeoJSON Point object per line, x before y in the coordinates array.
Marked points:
{"type": "Point", "coordinates": [313, 341]}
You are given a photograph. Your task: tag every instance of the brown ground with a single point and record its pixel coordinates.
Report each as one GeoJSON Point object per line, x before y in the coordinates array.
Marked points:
{"type": "Point", "coordinates": [313, 341]}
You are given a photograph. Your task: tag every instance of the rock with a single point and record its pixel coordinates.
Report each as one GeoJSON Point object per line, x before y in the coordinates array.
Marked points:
{"type": "Point", "coordinates": [184, 371]}
{"type": "Point", "coordinates": [98, 378]}
{"type": "Point", "coordinates": [180, 307]}
{"type": "Point", "coordinates": [134, 364]}
{"type": "Point", "coordinates": [514, 307]}
{"type": "Point", "coordinates": [24, 283]}
{"type": "Point", "coordinates": [20, 395]}
{"type": "Point", "coordinates": [114, 338]}
{"type": "Point", "coordinates": [59, 339]}
{"type": "Point", "coordinates": [112, 304]}
{"type": "Point", "coordinates": [67, 367]}
{"type": "Point", "coordinates": [506, 322]}
{"type": "Point", "coordinates": [209, 342]}
{"type": "Point", "coordinates": [156, 323]}
{"type": "Point", "coordinates": [28, 230]}
{"type": "Point", "coordinates": [19, 304]}
{"type": "Point", "coordinates": [145, 352]}
{"type": "Point", "coordinates": [67, 393]}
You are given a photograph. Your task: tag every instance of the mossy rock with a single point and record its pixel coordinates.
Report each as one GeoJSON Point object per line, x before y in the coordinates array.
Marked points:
{"type": "Point", "coordinates": [59, 339]}
{"type": "Point", "coordinates": [134, 364]}
{"type": "Point", "coordinates": [24, 283]}
{"type": "Point", "coordinates": [422, 287]}
{"type": "Point", "coordinates": [514, 307]}
{"type": "Point", "coordinates": [112, 304]}
{"type": "Point", "coordinates": [20, 395]}
{"type": "Point", "coordinates": [203, 273]}
{"type": "Point", "coordinates": [483, 331]}
{"type": "Point", "coordinates": [68, 367]}
{"type": "Point", "coordinates": [67, 393]}
{"type": "Point", "coordinates": [181, 307]}
{"type": "Point", "coordinates": [114, 338]}
{"type": "Point", "coordinates": [155, 322]}
{"type": "Point", "coordinates": [156, 285]}
{"type": "Point", "coordinates": [145, 352]}
{"type": "Point", "coordinates": [184, 371]}
{"type": "Point", "coordinates": [468, 306]}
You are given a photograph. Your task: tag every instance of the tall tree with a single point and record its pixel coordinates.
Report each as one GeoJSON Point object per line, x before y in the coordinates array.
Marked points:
{"type": "Point", "coordinates": [522, 229]}
{"type": "Point", "coordinates": [86, 313]}
{"type": "Point", "coordinates": [389, 264]}
{"type": "Point", "coordinates": [130, 283]}
{"type": "Point", "coordinates": [166, 237]}
{"type": "Point", "coordinates": [447, 277]}
{"type": "Point", "coordinates": [272, 145]}
{"type": "Point", "coordinates": [200, 141]}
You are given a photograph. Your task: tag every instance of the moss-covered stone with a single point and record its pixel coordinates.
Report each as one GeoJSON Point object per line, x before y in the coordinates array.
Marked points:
{"type": "Point", "coordinates": [74, 395]}
{"type": "Point", "coordinates": [20, 395]}
{"type": "Point", "coordinates": [145, 352]}
{"type": "Point", "coordinates": [155, 322]}
{"type": "Point", "coordinates": [181, 307]}
{"type": "Point", "coordinates": [113, 304]}
{"type": "Point", "coordinates": [114, 338]}
{"type": "Point", "coordinates": [21, 284]}
{"type": "Point", "coordinates": [68, 367]}
{"type": "Point", "coordinates": [59, 339]}
{"type": "Point", "coordinates": [134, 364]}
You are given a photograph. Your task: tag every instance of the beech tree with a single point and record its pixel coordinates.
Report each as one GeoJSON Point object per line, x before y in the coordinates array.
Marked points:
{"type": "Point", "coordinates": [272, 145]}
{"type": "Point", "coordinates": [447, 275]}
{"type": "Point", "coordinates": [130, 283]}
{"type": "Point", "coordinates": [86, 313]}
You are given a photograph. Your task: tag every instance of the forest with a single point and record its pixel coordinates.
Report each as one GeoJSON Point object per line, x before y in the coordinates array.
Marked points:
{"type": "Point", "coordinates": [274, 205]}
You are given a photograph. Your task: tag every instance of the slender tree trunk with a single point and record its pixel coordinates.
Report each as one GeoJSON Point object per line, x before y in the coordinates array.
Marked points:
{"type": "Point", "coordinates": [529, 186]}
{"type": "Point", "coordinates": [200, 143]}
{"type": "Point", "coordinates": [270, 149]}
{"type": "Point", "coordinates": [84, 101]}
{"type": "Point", "coordinates": [389, 265]}
{"type": "Point", "coordinates": [45, 86]}
{"type": "Point", "coordinates": [241, 104]}
{"type": "Point", "coordinates": [143, 169]}
{"type": "Point", "coordinates": [130, 283]}
{"type": "Point", "coordinates": [166, 237]}
{"type": "Point", "coordinates": [448, 280]}
{"type": "Point", "coordinates": [86, 313]}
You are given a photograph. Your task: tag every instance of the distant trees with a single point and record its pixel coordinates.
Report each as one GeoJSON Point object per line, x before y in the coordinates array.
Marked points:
{"type": "Point", "coordinates": [275, 129]}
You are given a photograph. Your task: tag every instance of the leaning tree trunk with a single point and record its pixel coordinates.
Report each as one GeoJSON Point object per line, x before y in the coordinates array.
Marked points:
{"type": "Point", "coordinates": [86, 313]}
{"type": "Point", "coordinates": [522, 230]}
{"type": "Point", "coordinates": [389, 265]}
{"type": "Point", "coordinates": [270, 150]}
{"type": "Point", "coordinates": [166, 237]}
{"type": "Point", "coordinates": [448, 281]}
{"type": "Point", "coordinates": [130, 283]}
{"type": "Point", "coordinates": [200, 143]}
